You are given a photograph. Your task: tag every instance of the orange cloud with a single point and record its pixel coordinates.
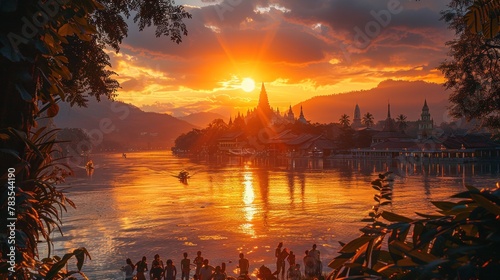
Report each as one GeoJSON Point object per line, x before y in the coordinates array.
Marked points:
{"type": "Point", "coordinates": [300, 49]}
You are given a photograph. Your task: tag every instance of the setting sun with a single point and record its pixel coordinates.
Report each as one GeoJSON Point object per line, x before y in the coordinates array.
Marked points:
{"type": "Point", "coordinates": [247, 85]}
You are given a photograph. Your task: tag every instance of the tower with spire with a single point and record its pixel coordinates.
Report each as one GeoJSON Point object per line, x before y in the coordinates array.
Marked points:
{"type": "Point", "coordinates": [389, 125]}
{"type": "Point", "coordinates": [301, 118]}
{"type": "Point", "coordinates": [425, 123]}
{"type": "Point", "coordinates": [356, 122]}
{"type": "Point", "coordinates": [290, 116]}
{"type": "Point", "coordinates": [263, 108]}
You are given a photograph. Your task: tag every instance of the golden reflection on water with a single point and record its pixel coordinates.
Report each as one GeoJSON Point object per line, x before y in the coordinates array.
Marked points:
{"type": "Point", "coordinates": [248, 200]}
{"type": "Point", "coordinates": [135, 207]}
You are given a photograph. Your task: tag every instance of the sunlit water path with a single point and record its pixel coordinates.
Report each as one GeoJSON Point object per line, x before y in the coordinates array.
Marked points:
{"type": "Point", "coordinates": [133, 207]}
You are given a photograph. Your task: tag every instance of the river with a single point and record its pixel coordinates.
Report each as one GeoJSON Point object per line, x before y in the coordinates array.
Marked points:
{"type": "Point", "coordinates": [133, 207]}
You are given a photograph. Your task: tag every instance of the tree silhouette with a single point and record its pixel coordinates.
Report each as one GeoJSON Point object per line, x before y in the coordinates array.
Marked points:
{"type": "Point", "coordinates": [55, 51]}
{"type": "Point", "coordinates": [367, 119]}
{"type": "Point", "coordinates": [473, 72]}
{"type": "Point", "coordinates": [344, 120]}
{"type": "Point", "coordinates": [50, 52]}
{"type": "Point", "coordinates": [401, 121]}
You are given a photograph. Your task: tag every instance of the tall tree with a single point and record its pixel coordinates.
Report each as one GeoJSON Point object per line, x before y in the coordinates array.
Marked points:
{"type": "Point", "coordinates": [54, 51]}
{"type": "Point", "coordinates": [344, 120]}
{"type": "Point", "coordinates": [401, 121]}
{"type": "Point", "coordinates": [367, 119]}
{"type": "Point", "coordinates": [473, 72]}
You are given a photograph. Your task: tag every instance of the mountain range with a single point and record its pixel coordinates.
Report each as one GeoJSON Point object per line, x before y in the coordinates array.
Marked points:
{"type": "Point", "coordinates": [404, 97]}
{"type": "Point", "coordinates": [114, 125]}
{"type": "Point", "coordinates": [117, 125]}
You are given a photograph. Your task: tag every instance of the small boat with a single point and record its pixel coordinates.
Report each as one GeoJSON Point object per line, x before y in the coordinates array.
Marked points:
{"type": "Point", "coordinates": [89, 165]}
{"type": "Point", "coordinates": [183, 176]}
{"type": "Point", "coordinates": [90, 168]}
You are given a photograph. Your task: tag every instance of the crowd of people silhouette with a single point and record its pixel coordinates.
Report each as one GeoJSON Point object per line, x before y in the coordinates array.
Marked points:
{"type": "Point", "coordinates": [203, 270]}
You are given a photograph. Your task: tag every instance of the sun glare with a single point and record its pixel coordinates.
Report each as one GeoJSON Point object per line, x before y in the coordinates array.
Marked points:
{"type": "Point", "coordinates": [247, 85]}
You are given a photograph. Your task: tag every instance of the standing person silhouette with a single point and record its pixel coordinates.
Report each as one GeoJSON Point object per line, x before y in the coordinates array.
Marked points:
{"type": "Point", "coordinates": [294, 272]}
{"type": "Point", "coordinates": [198, 261]}
{"type": "Point", "coordinates": [185, 267]}
{"type": "Point", "coordinates": [280, 255]}
{"type": "Point", "coordinates": [308, 265]}
{"type": "Point", "coordinates": [170, 270]}
{"type": "Point", "coordinates": [129, 270]}
{"type": "Point", "coordinates": [157, 267]}
{"type": "Point", "coordinates": [314, 253]}
{"type": "Point", "coordinates": [206, 271]}
{"type": "Point", "coordinates": [244, 265]}
{"type": "Point", "coordinates": [223, 268]}
{"type": "Point", "coordinates": [141, 266]}
{"type": "Point", "coordinates": [291, 260]}
{"type": "Point", "coordinates": [218, 274]}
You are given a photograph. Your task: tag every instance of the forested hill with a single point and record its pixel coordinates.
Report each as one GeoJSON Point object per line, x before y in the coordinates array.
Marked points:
{"type": "Point", "coordinates": [202, 119]}
{"type": "Point", "coordinates": [405, 98]}
{"type": "Point", "coordinates": [122, 126]}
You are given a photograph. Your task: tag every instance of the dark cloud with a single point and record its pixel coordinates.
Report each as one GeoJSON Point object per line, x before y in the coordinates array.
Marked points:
{"type": "Point", "coordinates": [293, 41]}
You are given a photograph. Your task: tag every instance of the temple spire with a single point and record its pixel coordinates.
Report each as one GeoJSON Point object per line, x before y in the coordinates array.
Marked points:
{"type": "Point", "coordinates": [263, 109]}
{"type": "Point", "coordinates": [301, 118]}
{"type": "Point", "coordinates": [425, 105]}
{"type": "Point", "coordinates": [388, 110]}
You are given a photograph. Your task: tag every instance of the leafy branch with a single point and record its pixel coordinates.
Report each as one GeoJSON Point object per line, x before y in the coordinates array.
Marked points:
{"type": "Point", "coordinates": [461, 241]}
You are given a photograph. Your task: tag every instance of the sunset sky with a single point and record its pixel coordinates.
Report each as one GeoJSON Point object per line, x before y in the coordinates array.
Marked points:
{"type": "Point", "coordinates": [298, 48]}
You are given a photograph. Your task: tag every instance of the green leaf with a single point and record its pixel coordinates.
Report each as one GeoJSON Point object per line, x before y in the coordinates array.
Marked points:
{"type": "Point", "coordinates": [444, 205]}
{"type": "Point", "coordinates": [339, 261]}
{"type": "Point", "coordinates": [377, 182]}
{"type": "Point", "coordinates": [474, 20]}
{"type": "Point", "coordinates": [490, 28]}
{"type": "Point", "coordinates": [415, 254]}
{"type": "Point", "coordinates": [66, 30]}
{"type": "Point", "coordinates": [486, 204]}
{"type": "Point", "coordinates": [355, 244]}
{"type": "Point", "coordinates": [395, 217]}
{"type": "Point", "coordinates": [418, 229]}
{"type": "Point", "coordinates": [22, 136]}
{"type": "Point", "coordinates": [54, 270]}
{"type": "Point", "coordinates": [387, 196]}
{"type": "Point", "coordinates": [472, 189]}
{"type": "Point", "coordinates": [80, 254]}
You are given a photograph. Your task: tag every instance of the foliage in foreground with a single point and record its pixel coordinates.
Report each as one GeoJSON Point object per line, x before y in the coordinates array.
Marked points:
{"type": "Point", "coordinates": [461, 241]}
{"type": "Point", "coordinates": [472, 71]}
{"type": "Point", "coordinates": [38, 206]}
